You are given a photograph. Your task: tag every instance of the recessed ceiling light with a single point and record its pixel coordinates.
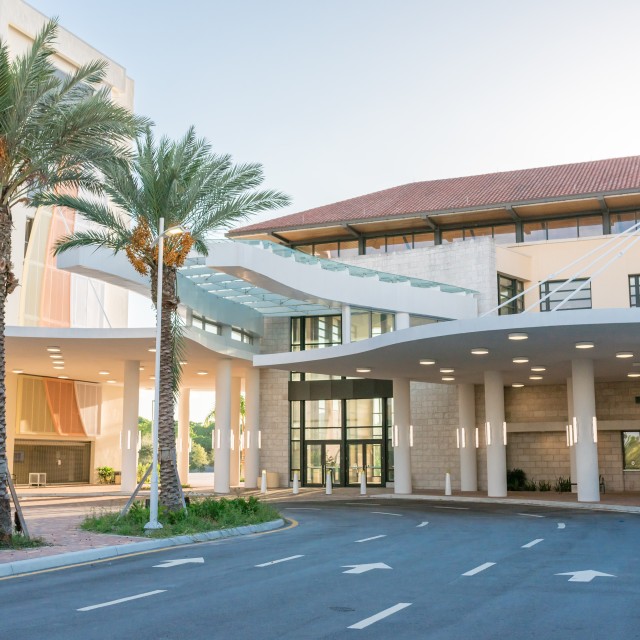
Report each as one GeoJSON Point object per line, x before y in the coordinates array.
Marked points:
{"type": "Point", "coordinates": [584, 345]}
{"type": "Point", "coordinates": [624, 354]}
{"type": "Point", "coordinates": [58, 366]}
{"type": "Point", "coordinates": [152, 350]}
{"type": "Point", "coordinates": [17, 371]}
{"type": "Point", "coordinates": [103, 373]}
{"type": "Point", "coordinates": [535, 377]}
{"type": "Point", "coordinates": [53, 349]}
{"type": "Point", "coordinates": [426, 363]}
{"type": "Point", "coordinates": [56, 356]}
{"type": "Point", "coordinates": [63, 377]}
{"type": "Point", "coordinates": [520, 360]}
{"type": "Point", "coordinates": [203, 373]}
{"type": "Point", "coordinates": [446, 370]}
{"type": "Point", "coordinates": [140, 368]}
{"type": "Point", "coordinates": [538, 368]}
{"type": "Point", "coordinates": [111, 381]}
{"type": "Point", "coordinates": [517, 385]}
{"type": "Point", "coordinates": [363, 370]}
{"type": "Point", "coordinates": [448, 378]}
{"type": "Point", "coordinates": [480, 351]}
{"type": "Point", "coordinates": [518, 336]}
{"type": "Point", "coordinates": [633, 375]}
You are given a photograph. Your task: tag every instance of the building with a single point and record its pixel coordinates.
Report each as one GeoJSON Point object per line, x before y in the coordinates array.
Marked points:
{"type": "Point", "coordinates": [469, 326]}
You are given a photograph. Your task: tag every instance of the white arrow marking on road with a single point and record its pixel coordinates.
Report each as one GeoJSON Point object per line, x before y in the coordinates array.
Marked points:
{"type": "Point", "coordinates": [585, 576]}
{"type": "Point", "coordinates": [266, 564]}
{"type": "Point", "coordinates": [533, 543]}
{"type": "Point", "coordinates": [175, 563]}
{"type": "Point", "coordinates": [482, 567]}
{"type": "Point", "coordinates": [386, 513]}
{"type": "Point", "coordinates": [372, 538]}
{"type": "Point", "coordinates": [561, 525]}
{"type": "Point", "coordinates": [362, 568]}
{"type": "Point", "coordinates": [379, 616]}
{"type": "Point", "coordinates": [422, 524]}
{"type": "Point", "coordinates": [112, 602]}
{"type": "Point", "coordinates": [530, 515]}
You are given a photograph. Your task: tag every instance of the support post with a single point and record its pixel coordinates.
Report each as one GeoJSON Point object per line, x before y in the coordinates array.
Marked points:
{"type": "Point", "coordinates": [252, 422]}
{"type": "Point", "coordinates": [466, 437]}
{"type": "Point", "coordinates": [130, 413]}
{"type": "Point", "coordinates": [234, 469]}
{"type": "Point", "coordinates": [401, 440]}
{"type": "Point", "coordinates": [572, 446]}
{"type": "Point", "coordinates": [494, 430]}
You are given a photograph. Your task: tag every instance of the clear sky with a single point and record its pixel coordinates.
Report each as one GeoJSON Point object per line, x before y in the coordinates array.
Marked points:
{"type": "Point", "coordinates": [337, 98]}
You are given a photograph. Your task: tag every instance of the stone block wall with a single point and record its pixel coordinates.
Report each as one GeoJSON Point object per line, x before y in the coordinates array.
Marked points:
{"type": "Point", "coordinates": [542, 456]}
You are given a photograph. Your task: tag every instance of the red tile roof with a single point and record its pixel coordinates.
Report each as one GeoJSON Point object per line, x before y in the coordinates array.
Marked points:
{"type": "Point", "coordinates": [482, 191]}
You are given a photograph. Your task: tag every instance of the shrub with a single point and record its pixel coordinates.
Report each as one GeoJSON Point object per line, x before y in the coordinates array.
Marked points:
{"type": "Point", "coordinates": [530, 485]}
{"type": "Point", "coordinates": [106, 475]}
{"type": "Point", "coordinates": [563, 485]}
{"type": "Point", "coordinates": [516, 479]}
{"type": "Point", "coordinates": [543, 485]}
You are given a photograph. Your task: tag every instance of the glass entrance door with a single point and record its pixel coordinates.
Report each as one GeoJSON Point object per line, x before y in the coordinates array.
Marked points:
{"type": "Point", "coordinates": [365, 456]}
{"type": "Point", "coordinates": [321, 458]}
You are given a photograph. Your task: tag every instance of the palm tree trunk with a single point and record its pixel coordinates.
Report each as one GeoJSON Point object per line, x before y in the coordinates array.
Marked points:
{"type": "Point", "coordinates": [6, 286]}
{"type": "Point", "coordinates": [170, 494]}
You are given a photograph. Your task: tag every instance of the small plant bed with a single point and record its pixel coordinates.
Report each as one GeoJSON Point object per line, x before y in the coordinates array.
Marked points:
{"type": "Point", "coordinates": [208, 514]}
{"type": "Point", "coordinates": [18, 541]}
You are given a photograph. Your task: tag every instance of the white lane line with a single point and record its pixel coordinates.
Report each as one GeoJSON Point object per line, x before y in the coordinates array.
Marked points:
{"type": "Point", "coordinates": [112, 602]}
{"type": "Point", "coordinates": [267, 564]}
{"type": "Point", "coordinates": [458, 508]}
{"type": "Point", "coordinates": [386, 513]}
{"type": "Point", "coordinates": [531, 515]}
{"type": "Point", "coordinates": [301, 509]}
{"type": "Point", "coordinates": [561, 525]}
{"type": "Point", "coordinates": [366, 504]}
{"type": "Point", "coordinates": [422, 524]}
{"type": "Point", "coordinates": [372, 538]}
{"type": "Point", "coordinates": [379, 616]}
{"type": "Point", "coordinates": [533, 543]}
{"type": "Point", "coordinates": [482, 567]}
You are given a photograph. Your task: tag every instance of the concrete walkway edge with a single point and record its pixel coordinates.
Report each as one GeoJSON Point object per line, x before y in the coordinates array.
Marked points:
{"type": "Point", "coordinates": [114, 551]}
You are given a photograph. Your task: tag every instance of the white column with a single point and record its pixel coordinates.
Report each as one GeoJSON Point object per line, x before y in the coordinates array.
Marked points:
{"type": "Point", "coordinates": [403, 321]}
{"type": "Point", "coordinates": [183, 434]}
{"type": "Point", "coordinates": [401, 434]}
{"type": "Point", "coordinates": [346, 324]}
{"type": "Point", "coordinates": [584, 406]}
{"type": "Point", "coordinates": [234, 469]}
{"type": "Point", "coordinates": [130, 413]}
{"type": "Point", "coordinates": [223, 426]}
{"type": "Point", "coordinates": [251, 428]}
{"type": "Point", "coordinates": [494, 434]}
{"type": "Point", "coordinates": [467, 437]}
{"type": "Point", "coordinates": [572, 448]}
{"type": "Point", "coordinates": [11, 416]}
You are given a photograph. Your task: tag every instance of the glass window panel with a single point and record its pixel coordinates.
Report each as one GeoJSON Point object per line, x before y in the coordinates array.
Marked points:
{"type": "Point", "coordinates": [360, 324]}
{"type": "Point", "coordinates": [562, 229]}
{"type": "Point", "coordinates": [590, 226]}
{"type": "Point", "coordinates": [452, 236]}
{"type": "Point", "coordinates": [296, 333]}
{"type": "Point", "coordinates": [322, 331]}
{"type": "Point", "coordinates": [334, 433]}
{"type": "Point", "coordinates": [323, 414]}
{"type": "Point", "coordinates": [418, 321]}
{"type": "Point", "coordinates": [389, 413]}
{"type": "Point", "coordinates": [349, 248]}
{"type": "Point", "coordinates": [507, 289]}
{"type": "Point", "coordinates": [631, 446]}
{"type": "Point", "coordinates": [622, 221]}
{"type": "Point", "coordinates": [364, 433]}
{"type": "Point", "coordinates": [399, 243]}
{"type": "Point", "coordinates": [295, 434]}
{"type": "Point", "coordinates": [534, 231]}
{"type": "Point", "coordinates": [634, 291]}
{"type": "Point", "coordinates": [364, 412]}
{"type": "Point", "coordinates": [327, 250]}
{"type": "Point", "coordinates": [423, 240]}
{"type": "Point", "coordinates": [381, 323]}
{"type": "Point", "coordinates": [561, 290]}
{"type": "Point", "coordinates": [320, 376]}
{"type": "Point", "coordinates": [374, 245]}
{"type": "Point", "coordinates": [295, 414]}
{"type": "Point", "coordinates": [295, 456]}
{"type": "Point", "coordinates": [504, 234]}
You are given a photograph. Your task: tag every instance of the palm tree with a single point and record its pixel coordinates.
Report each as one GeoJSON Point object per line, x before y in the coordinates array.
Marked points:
{"type": "Point", "coordinates": [188, 186]}
{"type": "Point", "coordinates": [53, 130]}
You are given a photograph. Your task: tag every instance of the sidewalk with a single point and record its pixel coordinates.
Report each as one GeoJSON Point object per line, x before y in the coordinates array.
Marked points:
{"type": "Point", "coordinates": [55, 513]}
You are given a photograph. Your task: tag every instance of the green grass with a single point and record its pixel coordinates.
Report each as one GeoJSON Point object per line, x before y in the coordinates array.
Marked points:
{"type": "Point", "coordinates": [18, 541]}
{"type": "Point", "coordinates": [203, 515]}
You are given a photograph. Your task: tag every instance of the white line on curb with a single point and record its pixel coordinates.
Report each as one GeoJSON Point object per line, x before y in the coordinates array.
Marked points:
{"type": "Point", "coordinates": [386, 513]}
{"type": "Point", "coordinates": [379, 616]}
{"type": "Point", "coordinates": [458, 508]}
{"type": "Point", "coordinates": [561, 525]}
{"type": "Point", "coordinates": [112, 602]}
{"type": "Point", "coordinates": [372, 538]}
{"type": "Point", "coordinates": [482, 567]}
{"type": "Point", "coordinates": [531, 515]}
{"type": "Point", "coordinates": [532, 543]}
{"type": "Point", "coordinates": [266, 564]}
{"type": "Point", "coordinates": [301, 509]}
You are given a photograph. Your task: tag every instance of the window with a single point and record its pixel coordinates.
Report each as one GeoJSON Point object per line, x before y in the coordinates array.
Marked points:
{"type": "Point", "coordinates": [315, 332]}
{"type": "Point", "coordinates": [508, 288]}
{"type": "Point", "coordinates": [367, 324]}
{"type": "Point", "coordinates": [634, 291]}
{"type": "Point", "coordinates": [561, 290]}
{"type": "Point", "coordinates": [27, 233]}
{"type": "Point", "coordinates": [241, 335]}
{"type": "Point", "coordinates": [622, 221]}
{"type": "Point", "coordinates": [206, 324]}
{"type": "Point", "coordinates": [631, 449]}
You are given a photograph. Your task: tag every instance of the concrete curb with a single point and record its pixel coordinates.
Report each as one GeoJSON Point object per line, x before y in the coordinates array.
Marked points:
{"type": "Point", "coordinates": [114, 551]}
{"type": "Point", "coordinates": [588, 506]}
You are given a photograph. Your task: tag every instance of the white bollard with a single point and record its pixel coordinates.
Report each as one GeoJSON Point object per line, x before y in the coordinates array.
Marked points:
{"type": "Point", "coordinates": [363, 484]}
{"type": "Point", "coordinates": [447, 484]}
{"type": "Point", "coordinates": [263, 484]}
{"type": "Point", "coordinates": [296, 484]}
{"type": "Point", "coordinates": [329, 485]}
